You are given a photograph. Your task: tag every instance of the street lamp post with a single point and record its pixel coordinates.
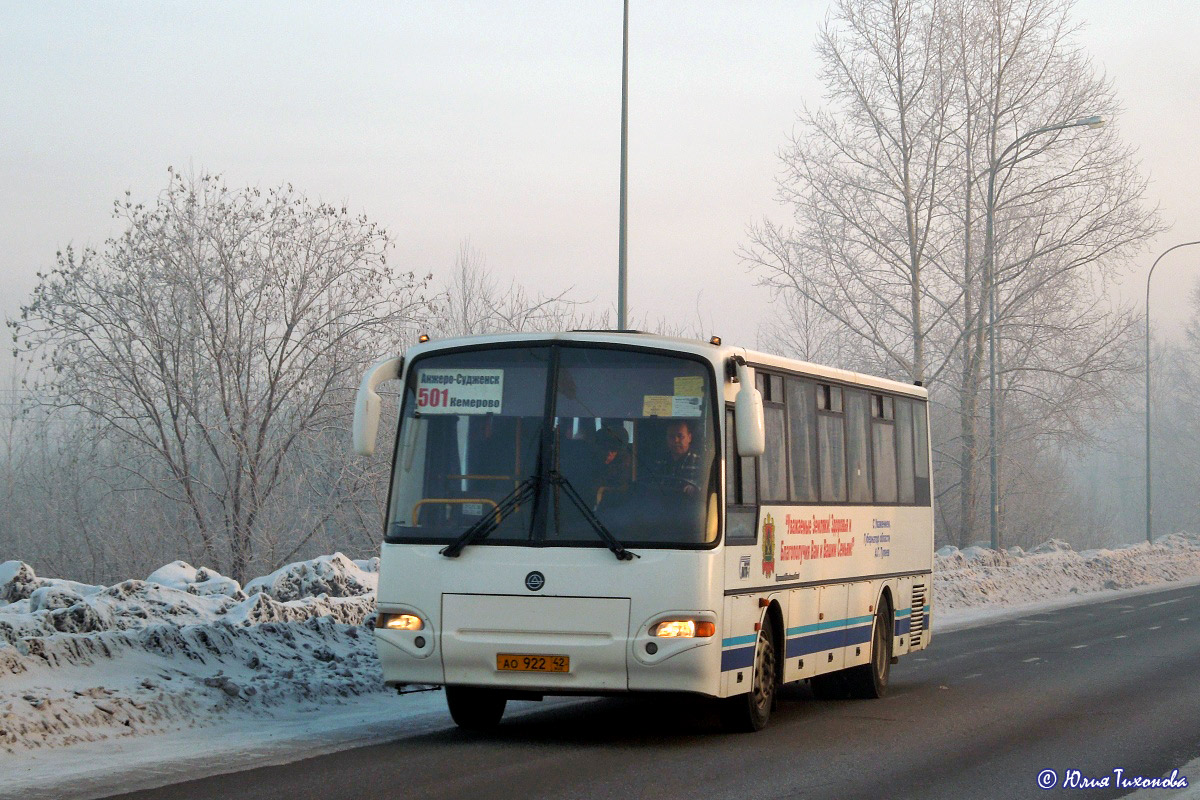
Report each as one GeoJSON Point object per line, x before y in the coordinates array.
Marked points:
{"type": "Point", "coordinates": [622, 310]}
{"type": "Point", "coordinates": [989, 247]}
{"type": "Point", "coordinates": [1149, 512]}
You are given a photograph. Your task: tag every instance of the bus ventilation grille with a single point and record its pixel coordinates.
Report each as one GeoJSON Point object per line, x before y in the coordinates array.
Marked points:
{"type": "Point", "coordinates": [917, 624]}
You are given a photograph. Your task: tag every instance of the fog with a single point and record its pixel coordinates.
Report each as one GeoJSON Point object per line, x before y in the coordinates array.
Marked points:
{"type": "Point", "coordinates": [497, 123]}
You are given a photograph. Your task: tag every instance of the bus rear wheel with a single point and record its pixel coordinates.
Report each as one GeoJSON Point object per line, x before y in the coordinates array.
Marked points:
{"type": "Point", "coordinates": [751, 711]}
{"type": "Point", "coordinates": [869, 681]}
{"type": "Point", "coordinates": [475, 709]}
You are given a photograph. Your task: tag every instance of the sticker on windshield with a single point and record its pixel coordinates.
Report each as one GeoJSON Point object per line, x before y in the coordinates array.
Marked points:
{"type": "Point", "coordinates": [656, 405]}
{"type": "Point", "coordinates": [689, 386]}
{"type": "Point", "coordinates": [666, 405]}
{"type": "Point", "coordinates": [460, 391]}
{"type": "Point", "coordinates": [685, 406]}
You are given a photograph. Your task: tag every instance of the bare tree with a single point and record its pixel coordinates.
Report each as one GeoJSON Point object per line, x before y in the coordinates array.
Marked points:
{"type": "Point", "coordinates": [212, 337]}
{"type": "Point", "coordinates": [474, 301]}
{"type": "Point", "coordinates": [889, 190]}
{"type": "Point", "coordinates": [1069, 213]}
{"type": "Point", "coordinates": [865, 179]}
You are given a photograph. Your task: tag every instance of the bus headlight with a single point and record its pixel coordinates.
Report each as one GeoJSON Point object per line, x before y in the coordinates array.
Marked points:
{"type": "Point", "coordinates": [399, 622]}
{"type": "Point", "coordinates": [683, 629]}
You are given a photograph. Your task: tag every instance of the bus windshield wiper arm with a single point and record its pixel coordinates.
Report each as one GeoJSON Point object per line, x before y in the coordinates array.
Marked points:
{"type": "Point", "coordinates": [483, 528]}
{"type": "Point", "coordinates": [614, 544]}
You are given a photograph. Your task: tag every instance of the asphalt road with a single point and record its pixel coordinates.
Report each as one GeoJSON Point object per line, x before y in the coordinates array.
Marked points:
{"type": "Point", "coordinates": [979, 714]}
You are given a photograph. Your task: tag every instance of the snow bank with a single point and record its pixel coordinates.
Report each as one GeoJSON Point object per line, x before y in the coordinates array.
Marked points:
{"type": "Point", "coordinates": [333, 575]}
{"type": "Point", "coordinates": [980, 576]}
{"type": "Point", "coordinates": [189, 647]}
{"type": "Point", "coordinates": [185, 647]}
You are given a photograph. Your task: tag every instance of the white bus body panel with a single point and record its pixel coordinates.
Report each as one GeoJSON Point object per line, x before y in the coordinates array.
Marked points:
{"type": "Point", "coordinates": [592, 608]}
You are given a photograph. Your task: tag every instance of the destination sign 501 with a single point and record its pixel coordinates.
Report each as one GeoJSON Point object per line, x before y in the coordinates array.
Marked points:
{"type": "Point", "coordinates": [460, 391]}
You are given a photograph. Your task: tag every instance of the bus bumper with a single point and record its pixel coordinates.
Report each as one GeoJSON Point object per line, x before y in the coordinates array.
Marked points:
{"type": "Point", "coordinates": [593, 633]}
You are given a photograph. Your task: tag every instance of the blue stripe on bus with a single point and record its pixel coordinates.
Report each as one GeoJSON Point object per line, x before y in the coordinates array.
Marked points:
{"type": "Point", "coordinates": [828, 635]}
{"type": "Point", "coordinates": [748, 639]}
{"type": "Point", "coordinates": [824, 626]}
{"type": "Point", "coordinates": [737, 659]}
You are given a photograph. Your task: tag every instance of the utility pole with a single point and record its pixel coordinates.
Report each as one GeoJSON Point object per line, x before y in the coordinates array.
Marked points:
{"type": "Point", "coordinates": [622, 287]}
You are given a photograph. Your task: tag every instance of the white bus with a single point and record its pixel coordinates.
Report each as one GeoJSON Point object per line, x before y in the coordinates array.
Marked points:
{"type": "Point", "coordinates": [600, 512]}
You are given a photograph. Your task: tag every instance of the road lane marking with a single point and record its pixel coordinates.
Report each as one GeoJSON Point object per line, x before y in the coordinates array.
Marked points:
{"type": "Point", "coordinates": [973, 675]}
{"type": "Point", "coordinates": [1122, 636]}
{"type": "Point", "coordinates": [1184, 619]}
{"type": "Point", "coordinates": [1167, 602]}
{"type": "Point", "coordinates": [1079, 647]}
{"type": "Point", "coordinates": [1031, 660]}
{"type": "Point", "coordinates": [1154, 627]}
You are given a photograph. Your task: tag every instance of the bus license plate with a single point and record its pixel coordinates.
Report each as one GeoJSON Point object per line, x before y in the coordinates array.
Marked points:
{"type": "Point", "coordinates": [528, 662]}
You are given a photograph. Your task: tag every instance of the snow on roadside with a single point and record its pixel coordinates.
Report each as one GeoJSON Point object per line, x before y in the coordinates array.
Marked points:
{"type": "Point", "coordinates": [186, 647]}
{"type": "Point", "coordinates": [89, 669]}
{"type": "Point", "coordinates": [978, 576]}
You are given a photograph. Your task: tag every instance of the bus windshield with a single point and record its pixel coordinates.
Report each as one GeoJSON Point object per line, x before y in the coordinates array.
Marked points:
{"type": "Point", "coordinates": [628, 434]}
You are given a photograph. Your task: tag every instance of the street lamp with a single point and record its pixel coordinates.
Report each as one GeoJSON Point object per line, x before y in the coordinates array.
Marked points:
{"type": "Point", "coordinates": [622, 311]}
{"type": "Point", "coordinates": [989, 246]}
{"type": "Point", "coordinates": [1149, 533]}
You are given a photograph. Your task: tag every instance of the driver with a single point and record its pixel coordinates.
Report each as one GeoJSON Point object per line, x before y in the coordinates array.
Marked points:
{"type": "Point", "coordinates": [681, 462]}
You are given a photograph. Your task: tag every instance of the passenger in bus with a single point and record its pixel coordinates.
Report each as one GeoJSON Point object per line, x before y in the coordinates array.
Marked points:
{"type": "Point", "coordinates": [680, 464]}
{"type": "Point", "coordinates": [614, 469]}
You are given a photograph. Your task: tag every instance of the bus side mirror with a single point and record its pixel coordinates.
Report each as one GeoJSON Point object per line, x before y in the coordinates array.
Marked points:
{"type": "Point", "coordinates": [366, 407]}
{"type": "Point", "coordinates": [748, 415]}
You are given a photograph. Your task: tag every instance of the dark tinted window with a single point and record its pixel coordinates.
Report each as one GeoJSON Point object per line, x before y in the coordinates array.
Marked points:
{"type": "Point", "coordinates": [832, 457]}
{"type": "Point", "coordinates": [906, 492]}
{"type": "Point", "coordinates": [802, 439]}
{"type": "Point", "coordinates": [921, 455]}
{"type": "Point", "coordinates": [857, 455]}
{"type": "Point", "coordinates": [773, 463]}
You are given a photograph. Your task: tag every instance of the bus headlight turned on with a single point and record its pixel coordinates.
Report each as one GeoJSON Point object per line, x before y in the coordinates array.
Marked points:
{"type": "Point", "coordinates": [684, 629]}
{"type": "Point", "coordinates": [669, 633]}
{"type": "Point", "coordinates": [399, 622]}
{"type": "Point", "coordinates": [407, 630]}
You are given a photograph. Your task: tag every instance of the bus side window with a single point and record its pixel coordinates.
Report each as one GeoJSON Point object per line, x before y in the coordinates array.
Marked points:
{"type": "Point", "coordinates": [802, 440]}
{"type": "Point", "coordinates": [772, 478]}
{"type": "Point", "coordinates": [741, 497]}
{"type": "Point", "coordinates": [831, 444]}
{"type": "Point", "coordinates": [904, 451]}
{"type": "Point", "coordinates": [858, 457]}
{"type": "Point", "coordinates": [883, 447]}
{"type": "Point", "coordinates": [921, 461]}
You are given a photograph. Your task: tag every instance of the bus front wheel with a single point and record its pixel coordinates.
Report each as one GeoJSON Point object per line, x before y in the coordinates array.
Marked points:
{"type": "Point", "coordinates": [751, 711]}
{"type": "Point", "coordinates": [475, 709]}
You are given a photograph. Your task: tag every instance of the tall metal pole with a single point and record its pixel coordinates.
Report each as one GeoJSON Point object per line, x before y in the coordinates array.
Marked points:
{"type": "Point", "coordinates": [990, 276]}
{"type": "Point", "coordinates": [989, 245]}
{"type": "Point", "coordinates": [622, 288]}
{"type": "Point", "coordinates": [1149, 512]}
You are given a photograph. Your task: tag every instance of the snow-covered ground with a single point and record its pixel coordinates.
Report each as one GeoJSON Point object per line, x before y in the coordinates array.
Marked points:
{"type": "Point", "coordinates": [183, 648]}
{"type": "Point", "coordinates": [186, 673]}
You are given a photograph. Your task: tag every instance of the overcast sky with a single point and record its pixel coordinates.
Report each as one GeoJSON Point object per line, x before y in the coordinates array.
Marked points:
{"type": "Point", "coordinates": [496, 122]}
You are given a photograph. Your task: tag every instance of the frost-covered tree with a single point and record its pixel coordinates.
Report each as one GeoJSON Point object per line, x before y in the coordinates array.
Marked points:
{"type": "Point", "coordinates": [890, 184]}
{"type": "Point", "coordinates": [212, 339]}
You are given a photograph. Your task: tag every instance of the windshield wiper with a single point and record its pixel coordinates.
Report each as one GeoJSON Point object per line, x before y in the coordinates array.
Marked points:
{"type": "Point", "coordinates": [482, 529]}
{"type": "Point", "coordinates": [614, 544]}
